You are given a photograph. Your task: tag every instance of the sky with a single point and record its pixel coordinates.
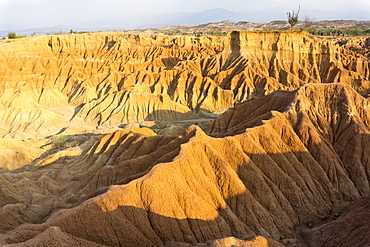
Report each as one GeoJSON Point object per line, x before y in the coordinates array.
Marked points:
{"type": "Point", "coordinates": [46, 13]}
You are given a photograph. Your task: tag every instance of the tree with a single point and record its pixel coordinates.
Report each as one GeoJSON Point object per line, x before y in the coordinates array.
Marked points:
{"type": "Point", "coordinates": [12, 35]}
{"type": "Point", "coordinates": [293, 18]}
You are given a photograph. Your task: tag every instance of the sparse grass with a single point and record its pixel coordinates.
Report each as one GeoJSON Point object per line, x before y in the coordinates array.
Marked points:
{"type": "Point", "coordinates": [64, 141]}
{"type": "Point", "coordinates": [59, 141]}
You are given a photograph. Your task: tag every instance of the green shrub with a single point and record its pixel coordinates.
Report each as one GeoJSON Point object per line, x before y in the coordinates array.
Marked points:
{"type": "Point", "coordinates": [59, 141]}
{"type": "Point", "coordinates": [12, 35]}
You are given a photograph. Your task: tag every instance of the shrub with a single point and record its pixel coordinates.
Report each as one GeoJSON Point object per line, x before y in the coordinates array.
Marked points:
{"type": "Point", "coordinates": [12, 35]}
{"type": "Point", "coordinates": [59, 141]}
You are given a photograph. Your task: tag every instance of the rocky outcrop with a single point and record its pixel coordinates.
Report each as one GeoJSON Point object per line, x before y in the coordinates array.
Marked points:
{"type": "Point", "coordinates": [347, 226]}
{"type": "Point", "coordinates": [105, 80]}
{"type": "Point", "coordinates": [289, 150]}
{"type": "Point", "coordinates": [257, 241]}
{"type": "Point", "coordinates": [269, 167]}
{"type": "Point", "coordinates": [360, 45]}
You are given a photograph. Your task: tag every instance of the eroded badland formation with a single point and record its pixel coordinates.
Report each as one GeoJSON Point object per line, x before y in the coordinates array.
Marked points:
{"type": "Point", "coordinates": [113, 139]}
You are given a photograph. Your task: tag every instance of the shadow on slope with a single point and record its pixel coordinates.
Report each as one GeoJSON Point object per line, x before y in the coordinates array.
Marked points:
{"type": "Point", "coordinates": [207, 192]}
{"type": "Point", "coordinates": [268, 180]}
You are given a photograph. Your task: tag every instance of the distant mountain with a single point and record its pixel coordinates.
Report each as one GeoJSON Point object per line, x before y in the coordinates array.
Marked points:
{"type": "Point", "coordinates": [189, 19]}
{"type": "Point", "coordinates": [140, 22]}
{"type": "Point", "coordinates": [164, 20]}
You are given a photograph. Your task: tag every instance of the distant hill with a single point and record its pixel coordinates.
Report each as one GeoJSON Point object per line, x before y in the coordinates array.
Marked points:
{"type": "Point", "coordinates": [343, 27]}
{"type": "Point", "coordinates": [259, 18]}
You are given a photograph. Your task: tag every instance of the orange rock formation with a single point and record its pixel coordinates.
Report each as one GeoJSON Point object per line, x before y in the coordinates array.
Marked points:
{"type": "Point", "coordinates": [278, 167]}
{"type": "Point", "coordinates": [50, 83]}
{"type": "Point", "coordinates": [288, 168]}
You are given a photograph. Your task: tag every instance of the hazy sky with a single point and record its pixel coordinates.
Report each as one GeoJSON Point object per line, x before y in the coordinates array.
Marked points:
{"type": "Point", "coordinates": [44, 13]}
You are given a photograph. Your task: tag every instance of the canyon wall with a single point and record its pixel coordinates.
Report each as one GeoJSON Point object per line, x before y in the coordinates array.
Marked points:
{"type": "Point", "coordinates": [105, 80]}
